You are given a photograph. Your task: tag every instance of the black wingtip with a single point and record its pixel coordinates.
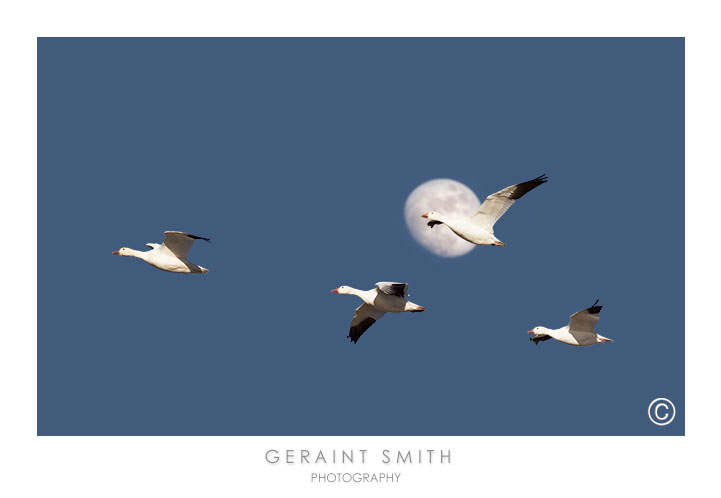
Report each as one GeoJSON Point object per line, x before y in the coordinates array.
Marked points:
{"type": "Point", "coordinates": [195, 237]}
{"type": "Point", "coordinates": [522, 189]}
{"type": "Point", "coordinates": [433, 223]}
{"type": "Point", "coordinates": [593, 309]}
{"type": "Point", "coordinates": [540, 338]}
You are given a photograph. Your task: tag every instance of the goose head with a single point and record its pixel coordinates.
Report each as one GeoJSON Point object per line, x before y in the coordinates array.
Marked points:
{"type": "Point", "coordinates": [430, 215]}
{"type": "Point", "coordinates": [343, 289]}
{"type": "Point", "coordinates": [124, 251]}
{"type": "Point", "coordinates": [538, 330]}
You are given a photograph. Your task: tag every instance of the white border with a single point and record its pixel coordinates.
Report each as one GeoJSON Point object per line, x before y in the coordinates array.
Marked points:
{"type": "Point", "coordinates": [234, 466]}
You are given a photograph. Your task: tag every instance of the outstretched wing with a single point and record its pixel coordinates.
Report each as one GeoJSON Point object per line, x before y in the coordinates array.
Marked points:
{"type": "Point", "coordinates": [585, 320]}
{"type": "Point", "coordinates": [393, 288]}
{"type": "Point", "coordinates": [179, 243]}
{"type": "Point", "coordinates": [539, 338]}
{"type": "Point", "coordinates": [497, 204]}
{"type": "Point", "coordinates": [365, 316]}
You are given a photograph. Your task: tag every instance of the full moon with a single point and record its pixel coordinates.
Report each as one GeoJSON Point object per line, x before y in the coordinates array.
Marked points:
{"type": "Point", "coordinates": [448, 197]}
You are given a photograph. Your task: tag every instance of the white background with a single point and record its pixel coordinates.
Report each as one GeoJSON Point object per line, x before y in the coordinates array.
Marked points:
{"type": "Point", "coordinates": [234, 466]}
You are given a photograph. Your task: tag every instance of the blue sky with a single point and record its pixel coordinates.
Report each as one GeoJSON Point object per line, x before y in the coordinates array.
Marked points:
{"type": "Point", "coordinates": [296, 156]}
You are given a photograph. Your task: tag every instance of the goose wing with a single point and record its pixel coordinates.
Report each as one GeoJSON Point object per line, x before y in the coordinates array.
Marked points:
{"type": "Point", "coordinates": [179, 243]}
{"type": "Point", "coordinates": [539, 338]}
{"type": "Point", "coordinates": [497, 204]}
{"type": "Point", "coordinates": [585, 320]}
{"type": "Point", "coordinates": [365, 316]}
{"type": "Point", "coordinates": [393, 288]}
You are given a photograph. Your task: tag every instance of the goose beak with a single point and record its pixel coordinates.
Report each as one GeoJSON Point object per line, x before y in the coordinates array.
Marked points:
{"type": "Point", "coordinates": [424, 215]}
{"type": "Point", "coordinates": [335, 290]}
{"type": "Point", "coordinates": [116, 252]}
{"type": "Point", "coordinates": [530, 331]}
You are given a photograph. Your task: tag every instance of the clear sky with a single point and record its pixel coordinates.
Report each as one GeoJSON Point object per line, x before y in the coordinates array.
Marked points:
{"type": "Point", "coordinates": [296, 156]}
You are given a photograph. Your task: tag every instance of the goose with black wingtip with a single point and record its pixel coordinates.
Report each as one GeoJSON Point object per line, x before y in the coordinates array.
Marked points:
{"type": "Point", "coordinates": [171, 255]}
{"type": "Point", "coordinates": [580, 331]}
{"type": "Point", "coordinates": [386, 297]}
{"type": "Point", "coordinates": [478, 229]}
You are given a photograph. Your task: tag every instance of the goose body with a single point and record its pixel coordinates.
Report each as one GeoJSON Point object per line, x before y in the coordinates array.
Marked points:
{"type": "Point", "coordinates": [478, 229]}
{"type": "Point", "coordinates": [580, 331]}
{"type": "Point", "coordinates": [386, 297]}
{"type": "Point", "coordinates": [171, 255]}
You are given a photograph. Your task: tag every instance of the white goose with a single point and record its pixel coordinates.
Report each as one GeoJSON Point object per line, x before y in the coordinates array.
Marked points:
{"type": "Point", "coordinates": [580, 331]}
{"type": "Point", "coordinates": [387, 297]}
{"type": "Point", "coordinates": [478, 229]}
{"type": "Point", "coordinates": [171, 255]}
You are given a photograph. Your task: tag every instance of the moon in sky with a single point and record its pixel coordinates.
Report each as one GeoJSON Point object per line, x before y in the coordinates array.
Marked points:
{"type": "Point", "coordinates": [448, 197]}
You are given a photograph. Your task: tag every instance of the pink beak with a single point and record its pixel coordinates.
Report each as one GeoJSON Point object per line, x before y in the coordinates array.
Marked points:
{"type": "Point", "coordinates": [335, 290]}
{"type": "Point", "coordinates": [531, 332]}
{"type": "Point", "coordinates": [424, 215]}
{"type": "Point", "coordinates": [116, 252]}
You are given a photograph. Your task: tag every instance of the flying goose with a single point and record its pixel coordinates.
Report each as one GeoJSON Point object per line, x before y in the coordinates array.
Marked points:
{"type": "Point", "coordinates": [171, 255]}
{"type": "Point", "coordinates": [580, 331]}
{"type": "Point", "coordinates": [478, 229]}
{"type": "Point", "coordinates": [386, 297]}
